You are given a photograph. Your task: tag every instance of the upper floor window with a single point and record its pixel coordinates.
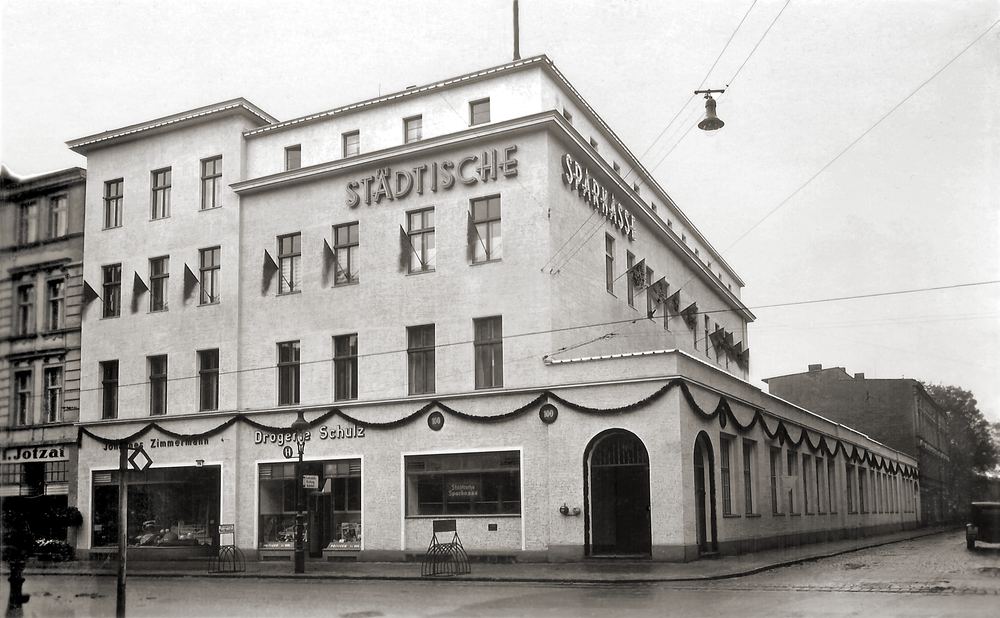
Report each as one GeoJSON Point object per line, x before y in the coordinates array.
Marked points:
{"type": "Point", "coordinates": [421, 236]}
{"type": "Point", "coordinates": [489, 352]}
{"type": "Point", "coordinates": [346, 241]}
{"type": "Point", "coordinates": [56, 301]}
{"type": "Point", "coordinates": [113, 203]}
{"type": "Point", "coordinates": [293, 157]}
{"type": "Point", "coordinates": [211, 183]}
{"type": "Point", "coordinates": [413, 129]}
{"type": "Point", "coordinates": [25, 321]}
{"type": "Point", "coordinates": [58, 219]}
{"type": "Point", "coordinates": [420, 359]}
{"type": "Point", "coordinates": [289, 257]}
{"type": "Point", "coordinates": [159, 277]}
{"type": "Point", "coordinates": [112, 298]}
{"type": "Point", "coordinates": [27, 223]}
{"type": "Point", "coordinates": [486, 218]}
{"type": "Point", "coordinates": [288, 372]}
{"type": "Point", "coordinates": [22, 397]}
{"type": "Point", "coordinates": [161, 194]}
{"type": "Point", "coordinates": [211, 260]}
{"type": "Point", "coordinates": [725, 474]}
{"type": "Point", "coordinates": [208, 380]}
{"type": "Point", "coordinates": [609, 263]}
{"type": "Point", "coordinates": [157, 385]}
{"type": "Point", "coordinates": [480, 111]}
{"type": "Point", "coordinates": [52, 404]}
{"type": "Point", "coordinates": [109, 389]}
{"type": "Point", "coordinates": [352, 144]}
{"type": "Point", "coordinates": [593, 142]}
{"type": "Point", "coordinates": [567, 115]}
{"type": "Point", "coordinates": [345, 367]}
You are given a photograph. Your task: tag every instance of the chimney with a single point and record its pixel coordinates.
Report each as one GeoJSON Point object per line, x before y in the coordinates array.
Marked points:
{"type": "Point", "coordinates": [859, 376]}
{"type": "Point", "coordinates": [815, 368]}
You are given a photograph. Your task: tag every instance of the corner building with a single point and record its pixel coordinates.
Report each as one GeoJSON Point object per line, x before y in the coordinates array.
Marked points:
{"type": "Point", "coordinates": [485, 309]}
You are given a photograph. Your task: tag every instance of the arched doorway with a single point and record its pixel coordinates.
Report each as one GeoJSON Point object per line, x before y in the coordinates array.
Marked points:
{"type": "Point", "coordinates": [704, 494]}
{"type": "Point", "coordinates": [617, 490]}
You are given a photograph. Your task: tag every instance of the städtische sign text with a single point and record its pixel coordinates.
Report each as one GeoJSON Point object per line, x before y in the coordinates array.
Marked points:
{"type": "Point", "coordinates": [394, 185]}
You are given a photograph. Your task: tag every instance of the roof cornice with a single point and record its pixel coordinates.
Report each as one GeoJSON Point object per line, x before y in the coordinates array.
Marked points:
{"type": "Point", "coordinates": [240, 106]}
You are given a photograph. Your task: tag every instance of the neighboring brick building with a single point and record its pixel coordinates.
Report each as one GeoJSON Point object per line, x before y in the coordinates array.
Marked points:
{"type": "Point", "coordinates": [897, 412]}
{"type": "Point", "coordinates": [449, 284]}
{"type": "Point", "coordinates": [41, 261]}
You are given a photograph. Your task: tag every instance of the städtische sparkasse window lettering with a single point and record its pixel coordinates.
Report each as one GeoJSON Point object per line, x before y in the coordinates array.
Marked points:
{"type": "Point", "coordinates": [486, 483]}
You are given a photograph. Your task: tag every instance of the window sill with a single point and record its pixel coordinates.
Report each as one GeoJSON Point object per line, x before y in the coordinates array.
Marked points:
{"type": "Point", "coordinates": [731, 516]}
{"type": "Point", "coordinates": [347, 284]}
{"type": "Point", "coordinates": [752, 515]}
{"type": "Point", "coordinates": [290, 293]}
{"type": "Point", "coordinates": [486, 262]}
{"type": "Point", "coordinates": [420, 272]}
{"type": "Point", "coordinates": [208, 304]}
{"type": "Point", "coordinates": [795, 514]}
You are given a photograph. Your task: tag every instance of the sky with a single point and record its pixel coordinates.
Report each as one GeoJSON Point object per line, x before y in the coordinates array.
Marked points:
{"type": "Point", "coordinates": [855, 186]}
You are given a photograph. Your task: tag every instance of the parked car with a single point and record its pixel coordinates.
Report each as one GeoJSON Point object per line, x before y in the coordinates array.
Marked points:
{"type": "Point", "coordinates": [984, 524]}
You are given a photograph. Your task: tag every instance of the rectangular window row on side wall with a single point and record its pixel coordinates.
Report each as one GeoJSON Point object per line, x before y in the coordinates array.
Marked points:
{"type": "Point", "coordinates": [53, 314]}
{"type": "Point", "coordinates": [55, 222]}
{"type": "Point", "coordinates": [157, 385]}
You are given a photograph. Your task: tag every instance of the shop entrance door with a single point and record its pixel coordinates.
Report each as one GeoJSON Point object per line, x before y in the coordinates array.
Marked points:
{"type": "Point", "coordinates": [704, 495]}
{"type": "Point", "coordinates": [618, 483]}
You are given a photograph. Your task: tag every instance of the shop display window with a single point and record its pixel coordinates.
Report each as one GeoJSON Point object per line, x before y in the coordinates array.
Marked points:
{"type": "Point", "coordinates": [463, 484]}
{"type": "Point", "coordinates": [167, 507]}
{"type": "Point", "coordinates": [332, 513]}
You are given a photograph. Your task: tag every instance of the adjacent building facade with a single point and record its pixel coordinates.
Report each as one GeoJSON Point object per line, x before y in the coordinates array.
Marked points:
{"type": "Point", "coordinates": [485, 309]}
{"type": "Point", "coordinates": [897, 412]}
{"type": "Point", "coordinates": [41, 251]}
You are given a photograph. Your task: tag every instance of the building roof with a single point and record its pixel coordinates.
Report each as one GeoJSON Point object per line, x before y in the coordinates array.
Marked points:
{"type": "Point", "coordinates": [201, 114]}
{"type": "Point", "coordinates": [15, 185]}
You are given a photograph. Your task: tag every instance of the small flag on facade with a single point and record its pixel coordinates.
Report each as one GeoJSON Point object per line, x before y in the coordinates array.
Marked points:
{"type": "Point", "coordinates": [638, 275]}
{"type": "Point", "coordinates": [329, 262]}
{"type": "Point", "coordinates": [89, 295]}
{"type": "Point", "coordinates": [690, 314]}
{"type": "Point", "coordinates": [270, 268]}
{"type": "Point", "coordinates": [139, 288]}
{"type": "Point", "coordinates": [405, 250]}
{"type": "Point", "coordinates": [674, 302]}
{"type": "Point", "coordinates": [190, 283]}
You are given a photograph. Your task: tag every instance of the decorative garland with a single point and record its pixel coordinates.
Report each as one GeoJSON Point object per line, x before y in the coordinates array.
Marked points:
{"type": "Point", "coordinates": [723, 411]}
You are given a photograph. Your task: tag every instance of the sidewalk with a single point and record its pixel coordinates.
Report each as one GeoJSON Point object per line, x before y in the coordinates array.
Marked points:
{"type": "Point", "coordinates": [590, 571]}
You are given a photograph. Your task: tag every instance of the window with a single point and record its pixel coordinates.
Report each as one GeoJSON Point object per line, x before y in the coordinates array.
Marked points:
{"type": "Point", "coordinates": [775, 468]}
{"type": "Point", "coordinates": [346, 240]}
{"type": "Point", "coordinates": [27, 223]}
{"type": "Point", "coordinates": [211, 261]}
{"type": "Point", "coordinates": [463, 484]}
{"type": "Point", "coordinates": [211, 183]}
{"type": "Point", "coordinates": [11, 474]}
{"type": "Point", "coordinates": [819, 485]}
{"type": "Point", "coordinates": [593, 142]}
{"type": "Point", "coordinates": [22, 397]}
{"type": "Point", "coordinates": [420, 359]}
{"type": "Point", "coordinates": [109, 389]}
{"type": "Point", "coordinates": [831, 478]}
{"type": "Point", "coordinates": [413, 128]}
{"type": "Point", "coordinates": [489, 352]}
{"type": "Point", "coordinates": [52, 404]}
{"type": "Point", "coordinates": [56, 471]}
{"type": "Point", "coordinates": [352, 144]}
{"type": "Point", "coordinates": [345, 367]}
{"type": "Point", "coordinates": [25, 310]}
{"type": "Point", "coordinates": [650, 297]}
{"type": "Point", "coordinates": [161, 194]}
{"type": "Point", "coordinates": [850, 488]}
{"type": "Point", "coordinates": [862, 487]}
{"type": "Point", "coordinates": [629, 263]}
{"type": "Point", "coordinates": [609, 263]}
{"type": "Point", "coordinates": [567, 115]}
{"type": "Point", "coordinates": [725, 450]}
{"type": "Point", "coordinates": [617, 168]}
{"type": "Point", "coordinates": [159, 277]}
{"type": "Point", "coordinates": [208, 380]}
{"type": "Point", "coordinates": [805, 482]}
{"type": "Point", "coordinates": [486, 218]}
{"type": "Point", "coordinates": [289, 257]}
{"type": "Point", "coordinates": [749, 454]}
{"type": "Point", "coordinates": [340, 503]}
{"type": "Point", "coordinates": [288, 373]}
{"type": "Point", "coordinates": [793, 471]}
{"type": "Point", "coordinates": [55, 293]}
{"type": "Point", "coordinates": [293, 157]}
{"type": "Point", "coordinates": [112, 299]}
{"type": "Point", "coordinates": [480, 111]}
{"type": "Point", "coordinates": [157, 385]}
{"type": "Point", "coordinates": [58, 216]}
{"type": "Point", "coordinates": [421, 235]}
{"type": "Point", "coordinates": [113, 203]}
